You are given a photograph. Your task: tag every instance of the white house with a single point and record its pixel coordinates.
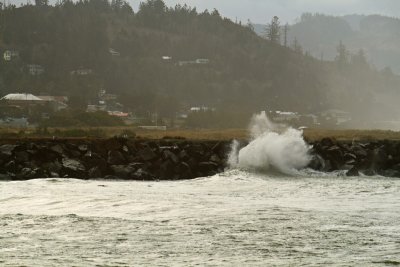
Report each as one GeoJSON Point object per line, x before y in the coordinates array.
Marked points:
{"type": "Point", "coordinates": [10, 54]}
{"type": "Point", "coordinates": [82, 72]}
{"type": "Point", "coordinates": [114, 53]}
{"type": "Point", "coordinates": [35, 69]}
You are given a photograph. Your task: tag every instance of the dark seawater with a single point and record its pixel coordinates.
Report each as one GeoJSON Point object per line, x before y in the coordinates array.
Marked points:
{"type": "Point", "coordinates": [233, 219]}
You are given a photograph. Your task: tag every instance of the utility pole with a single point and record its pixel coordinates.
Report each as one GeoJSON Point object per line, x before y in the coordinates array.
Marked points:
{"type": "Point", "coordinates": [285, 32]}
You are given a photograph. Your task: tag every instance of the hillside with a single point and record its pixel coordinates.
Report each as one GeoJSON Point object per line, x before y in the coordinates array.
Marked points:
{"type": "Point", "coordinates": [377, 35]}
{"type": "Point", "coordinates": [167, 60]}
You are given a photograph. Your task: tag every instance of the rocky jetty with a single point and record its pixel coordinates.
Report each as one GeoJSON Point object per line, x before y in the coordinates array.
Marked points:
{"type": "Point", "coordinates": [370, 158]}
{"type": "Point", "coordinates": [116, 158]}
{"type": "Point", "coordinates": [167, 159]}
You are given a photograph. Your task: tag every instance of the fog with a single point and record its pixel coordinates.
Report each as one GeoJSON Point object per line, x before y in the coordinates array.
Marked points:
{"type": "Point", "coordinates": [260, 11]}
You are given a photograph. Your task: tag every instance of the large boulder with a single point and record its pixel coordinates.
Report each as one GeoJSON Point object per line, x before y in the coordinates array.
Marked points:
{"type": "Point", "coordinates": [73, 168]}
{"type": "Point", "coordinates": [142, 175]}
{"type": "Point", "coordinates": [317, 163]}
{"type": "Point", "coordinates": [4, 177]}
{"type": "Point", "coordinates": [168, 155]}
{"type": "Point", "coordinates": [115, 158]}
{"type": "Point", "coordinates": [147, 154]}
{"type": "Point", "coordinates": [353, 172]}
{"type": "Point", "coordinates": [95, 173]}
{"type": "Point", "coordinates": [27, 173]}
{"type": "Point", "coordinates": [122, 171]}
{"type": "Point", "coordinates": [22, 156]}
{"type": "Point", "coordinates": [7, 150]}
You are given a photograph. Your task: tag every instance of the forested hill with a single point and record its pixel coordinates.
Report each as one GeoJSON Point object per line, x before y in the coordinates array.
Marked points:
{"type": "Point", "coordinates": [377, 35]}
{"type": "Point", "coordinates": [149, 58]}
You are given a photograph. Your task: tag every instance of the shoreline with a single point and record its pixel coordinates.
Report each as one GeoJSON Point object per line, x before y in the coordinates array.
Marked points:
{"type": "Point", "coordinates": [172, 159]}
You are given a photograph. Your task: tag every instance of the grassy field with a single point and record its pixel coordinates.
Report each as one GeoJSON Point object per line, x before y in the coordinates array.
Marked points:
{"type": "Point", "coordinates": [194, 134]}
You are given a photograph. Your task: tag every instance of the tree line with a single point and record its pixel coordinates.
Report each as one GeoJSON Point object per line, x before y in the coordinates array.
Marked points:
{"type": "Point", "coordinates": [245, 73]}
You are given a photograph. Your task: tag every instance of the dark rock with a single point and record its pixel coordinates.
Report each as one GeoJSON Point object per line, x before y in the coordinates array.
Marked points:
{"type": "Point", "coordinates": [92, 159]}
{"type": "Point", "coordinates": [328, 166]}
{"type": "Point", "coordinates": [136, 165]}
{"type": "Point", "coordinates": [72, 164]}
{"type": "Point", "coordinates": [327, 142]}
{"type": "Point", "coordinates": [184, 171]}
{"type": "Point", "coordinates": [54, 175]}
{"type": "Point", "coordinates": [143, 176]}
{"type": "Point", "coordinates": [57, 149]}
{"type": "Point", "coordinates": [353, 172]}
{"type": "Point", "coordinates": [115, 158]}
{"type": "Point", "coordinates": [167, 154]}
{"type": "Point", "coordinates": [122, 171]}
{"type": "Point", "coordinates": [4, 177]}
{"type": "Point", "coordinates": [94, 173]}
{"type": "Point", "coordinates": [147, 154]}
{"type": "Point", "coordinates": [83, 148]}
{"type": "Point", "coordinates": [359, 151]}
{"type": "Point", "coordinates": [317, 163]}
{"type": "Point", "coordinates": [214, 158]}
{"type": "Point", "coordinates": [111, 177]}
{"type": "Point", "coordinates": [125, 149]}
{"type": "Point", "coordinates": [208, 167]}
{"type": "Point", "coordinates": [396, 167]}
{"type": "Point", "coordinates": [22, 156]}
{"type": "Point", "coordinates": [7, 150]}
{"type": "Point", "coordinates": [113, 144]}
{"type": "Point", "coordinates": [349, 157]}
{"type": "Point", "coordinates": [45, 155]}
{"type": "Point", "coordinates": [54, 166]}
{"type": "Point", "coordinates": [218, 148]}
{"type": "Point", "coordinates": [73, 153]}
{"type": "Point", "coordinates": [73, 168]}
{"type": "Point", "coordinates": [167, 170]}
{"type": "Point", "coordinates": [184, 156]}
{"type": "Point", "coordinates": [379, 159]}
{"type": "Point", "coordinates": [26, 173]}
{"type": "Point", "coordinates": [10, 166]}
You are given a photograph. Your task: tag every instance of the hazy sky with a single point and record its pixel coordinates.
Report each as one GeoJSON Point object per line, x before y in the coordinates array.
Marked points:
{"type": "Point", "coordinates": [261, 11]}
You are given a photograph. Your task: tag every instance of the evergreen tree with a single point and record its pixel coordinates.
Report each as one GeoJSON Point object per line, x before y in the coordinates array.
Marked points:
{"type": "Point", "coordinates": [272, 30]}
{"type": "Point", "coordinates": [250, 25]}
{"type": "Point", "coordinates": [342, 57]}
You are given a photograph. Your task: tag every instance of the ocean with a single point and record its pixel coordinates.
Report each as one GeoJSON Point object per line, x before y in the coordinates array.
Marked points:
{"type": "Point", "coordinates": [236, 218]}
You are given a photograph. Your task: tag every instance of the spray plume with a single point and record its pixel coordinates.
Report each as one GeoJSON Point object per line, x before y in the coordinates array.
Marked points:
{"type": "Point", "coordinates": [271, 148]}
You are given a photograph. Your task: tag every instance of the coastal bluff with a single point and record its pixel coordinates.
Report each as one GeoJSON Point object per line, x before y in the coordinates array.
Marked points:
{"type": "Point", "coordinates": [173, 159]}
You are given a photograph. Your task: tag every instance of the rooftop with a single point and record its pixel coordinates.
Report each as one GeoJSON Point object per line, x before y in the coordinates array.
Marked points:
{"type": "Point", "coordinates": [25, 97]}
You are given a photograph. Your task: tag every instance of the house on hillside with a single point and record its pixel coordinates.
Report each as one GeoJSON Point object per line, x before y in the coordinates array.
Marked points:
{"type": "Point", "coordinates": [335, 116]}
{"type": "Point", "coordinates": [202, 61]}
{"type": "Point", "coordinates": [35, 69]}
{"type": "Point", "coordinates": [201, 109]}
{"type": "Point", "coordinates": [55, 103]}
{"type": "Point", "coordinates": [114, 53]}
{"type": "Point", "coordinates": [82, 72]}
{"type": "Point", "coordinates": [199, 61]}
{"type": "Point", "coordinates": [285, 116]}
{"type": "Point", "coordinates": [22, 100]}
{"type": "Point", "coordinates": [10, 55]}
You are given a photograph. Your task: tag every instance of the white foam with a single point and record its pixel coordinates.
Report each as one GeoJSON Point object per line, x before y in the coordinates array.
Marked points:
{"type": "Point", "coordinates": [272, 147]}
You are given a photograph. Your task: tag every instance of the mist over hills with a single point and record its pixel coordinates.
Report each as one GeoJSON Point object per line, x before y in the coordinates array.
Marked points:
{"type": "Point", "coordinates": [378, 36]}
{"type": "Point", "coordinates": [167, 60]}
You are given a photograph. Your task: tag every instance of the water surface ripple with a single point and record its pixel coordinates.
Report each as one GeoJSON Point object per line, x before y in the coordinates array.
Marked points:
{"type": "Point", "coordinates": [232, 219]}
